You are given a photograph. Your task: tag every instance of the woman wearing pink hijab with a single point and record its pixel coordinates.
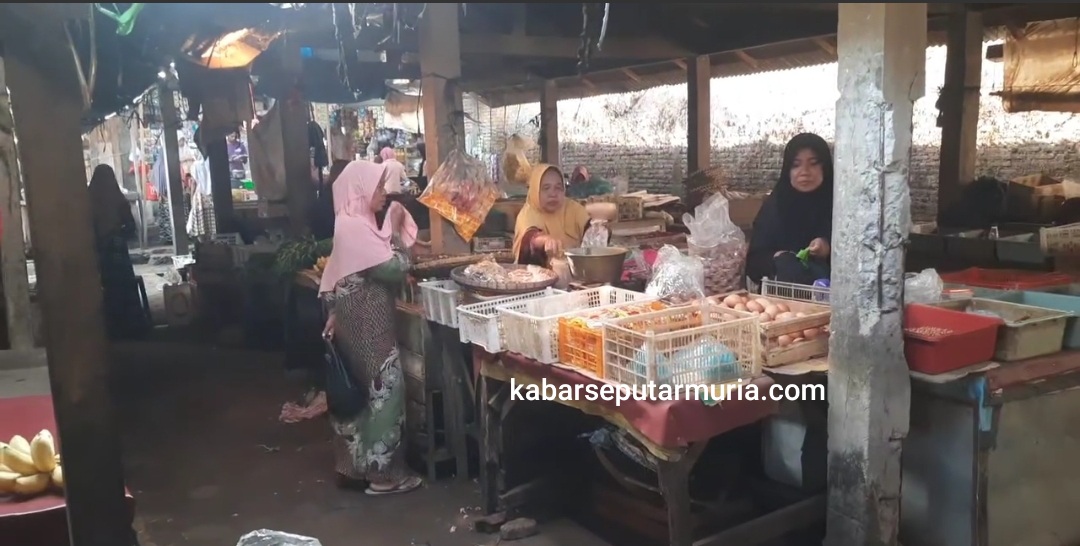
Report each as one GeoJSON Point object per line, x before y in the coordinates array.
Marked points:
{"type": "Point", "coordinates": [360, 283]}
{"type": "Point", "coordinates": [395, 171]}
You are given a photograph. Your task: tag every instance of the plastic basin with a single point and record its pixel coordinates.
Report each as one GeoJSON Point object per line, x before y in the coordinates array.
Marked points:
{"type": "Point", "coordinates": [1047, 300]}
{"type": "Point", "coordinates": [972, 339]}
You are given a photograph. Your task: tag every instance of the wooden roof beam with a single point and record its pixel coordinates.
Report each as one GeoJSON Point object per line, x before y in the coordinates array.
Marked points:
{"type": "Point", "coordinates": [631, 74]}
{"type": "Point", "coordinates": [746, 58]}
{"type": "Point", "coordinates": [647, 48]}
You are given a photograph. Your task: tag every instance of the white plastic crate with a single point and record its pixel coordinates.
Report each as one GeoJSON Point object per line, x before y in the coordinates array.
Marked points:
{"type": "Point", "coordinates": [440, 299]}
{"type": "Point", "coordinates": [479, 323]}
{"type": "Point", "coordinates": [793, 291]}
{"type": "Point", "coordinates": [691, 345]}
{"type": "Point", "coordinates": [532, 326]}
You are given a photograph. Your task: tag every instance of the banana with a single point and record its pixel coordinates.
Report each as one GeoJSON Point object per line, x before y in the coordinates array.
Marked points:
{"type": "Point", "coordinates": [18, 461]}
{"type": "Point", "coordinates": [7, 481]}
{"type": "Point", "coordinates": [20, 443]}
{"type": "Point", "coordinates": [43, 451]}
{"type": "Point", "coordinates": [58, 476]}
{"type": "Point", "coordinates": [31, 485]}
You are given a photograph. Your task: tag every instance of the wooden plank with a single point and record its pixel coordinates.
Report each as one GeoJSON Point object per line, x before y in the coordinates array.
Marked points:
{"type": "Point", "coordinates": [69, 284]}
{"type": "Point", "coordinates": [294, 136]}
{"type": "Point", "coordinates": [549, 123]}
{"type": "Point", "coordinates": [16, 284]}
{"type": "Point", "coordinates": [699, 110]}
{"type": "Point", "coordinates": [772, 525]}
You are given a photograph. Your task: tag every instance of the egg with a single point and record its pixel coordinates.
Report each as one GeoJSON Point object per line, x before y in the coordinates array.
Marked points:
{"type": "Point", "coordinates": [783, 307]}
{"type": "Point", "coordinates": [797, 340]}
{"type": "Point", "coordinates": [763, 302]}
{"type": "Point", "coordinates": [783, 341]}
{"type": "Point", "coordinates": [800, 315]}
{"type": "Point", "coordinates": [772, 311]}
{"type": "Point", "coordinates": [811, 333]}
{"type": "Point", "coordinates": [740, 307]}
{"type": "Point", "coordinates": [732, 300]}
{"type": "Point", "coordinates": [754, 307]}
{"type": "Point", "coordinates": [785, 315]}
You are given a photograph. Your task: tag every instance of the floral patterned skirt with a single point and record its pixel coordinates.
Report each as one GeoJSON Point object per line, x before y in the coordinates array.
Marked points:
{"type": "Point", "coordinates": [370, 446]}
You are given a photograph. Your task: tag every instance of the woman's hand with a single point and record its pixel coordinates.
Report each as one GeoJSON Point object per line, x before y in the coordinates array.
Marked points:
{"type": "Point", "coordinates": [328, 330]}
{"type": "Point", "coordinates": [552, 246]}
{"type": "Point", "coordinates": [819, 248]}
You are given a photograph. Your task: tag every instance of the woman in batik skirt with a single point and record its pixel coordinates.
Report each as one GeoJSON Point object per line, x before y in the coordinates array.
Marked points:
{"type": "Point", "coordinates": [360, 283]}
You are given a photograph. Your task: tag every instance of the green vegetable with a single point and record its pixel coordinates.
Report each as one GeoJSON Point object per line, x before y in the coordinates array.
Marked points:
{"type": "Point", "coordinates": [300, 254]}
{"type": "Point", "coordinates": [804, 255]}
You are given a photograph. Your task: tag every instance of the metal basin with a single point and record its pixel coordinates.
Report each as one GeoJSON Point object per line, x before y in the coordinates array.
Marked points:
{"type": "Point", "coordinates": [597, 264]}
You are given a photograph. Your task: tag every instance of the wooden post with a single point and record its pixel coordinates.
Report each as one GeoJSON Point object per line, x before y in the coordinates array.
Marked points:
{"type": "Point", "coordinates": [699, 110]}
{"type": "Point", "coordinates": [171, 123]}
{"type": "Point", "coordinates": [295, 115]}
{"type": "Point", "coordinates": [16, 284]}
{"type": "Point", "coordinates": [960, 106]}
{"type": "Point", "coordinates": [50, 144]}
{"type": "Point", "coordinates": [882, 52]}
{"type": "Point", "coordinates": [549, 123]}
{"type": "Point", "coordinates": [217, 155]}
{"type": "Point", "coordinates": [444, 115]}
{"type": "Point", "coordinates": [140, 184]}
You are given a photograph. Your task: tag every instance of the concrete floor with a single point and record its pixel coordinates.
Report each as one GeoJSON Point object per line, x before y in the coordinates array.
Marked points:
{"type": "Point", "coordinates": [208, 460]}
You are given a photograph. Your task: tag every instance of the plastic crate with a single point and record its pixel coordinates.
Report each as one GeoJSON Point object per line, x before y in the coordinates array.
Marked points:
{"type": "Point", "coordinates": [532, 326]}
{"type": "Point", "coordinates": [793, 291]}
{"type": "Point", "coordinates": [581, 335]}
{"type": "Point", "coordinates": [693, 345]}
{"type": "Point", "coordinates": [1027, 332]}
{"type": "Point", "coordinates": [1046, 300]}
{"type": "Point", "coordinates": [1006, 279]}
{"type": "Point", "coordinates": [971, 339]}
{"type": "Point", "coordinates": [479, 323]}
{"type": "Point", "coordinates": [440, 299]}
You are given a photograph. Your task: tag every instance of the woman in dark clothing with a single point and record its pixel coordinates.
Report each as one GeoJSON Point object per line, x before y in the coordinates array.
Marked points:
{"type": "Point", "coordinates": [114, 224]}
{"type": "Point", "coordinates": [797, 215]}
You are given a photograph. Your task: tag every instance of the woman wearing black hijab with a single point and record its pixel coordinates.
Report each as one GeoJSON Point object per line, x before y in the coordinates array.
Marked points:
{"type": "Point", "coordinates": [797, 215]}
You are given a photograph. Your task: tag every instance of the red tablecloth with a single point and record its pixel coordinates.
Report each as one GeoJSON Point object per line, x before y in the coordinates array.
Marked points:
{"type": "Point", "coordinates": [40, 521]}
{"type": "Point", "coordinates": [667, 423]}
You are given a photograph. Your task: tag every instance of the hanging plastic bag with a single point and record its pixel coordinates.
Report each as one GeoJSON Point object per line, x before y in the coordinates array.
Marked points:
{"type": "Point", "coordinates": [597, 235]}
{"type": "Point", "coordinates": [676, 278]}
{"type": "Point", "coordinates": [923, 287]}
{"type": "Point", "coordinates": [515, 164]}
{"type": "Point", "coordinates": [719, 243]}
{"type": "Point", "coordinates": [461, 191]}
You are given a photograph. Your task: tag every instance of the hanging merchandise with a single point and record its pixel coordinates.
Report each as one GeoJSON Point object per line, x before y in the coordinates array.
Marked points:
{"type": "Point", "coordinates": [461, 192]}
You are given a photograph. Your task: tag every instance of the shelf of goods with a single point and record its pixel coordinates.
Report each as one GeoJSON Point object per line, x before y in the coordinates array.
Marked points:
{"type": "Point", "coordinates": [700, 344]}
{"type": "Point", "coordinates": [532, 326]}
{"type": "Point", "coordinates": [480, 323]}
{"type": "Point", "coordinates": [790, 330]}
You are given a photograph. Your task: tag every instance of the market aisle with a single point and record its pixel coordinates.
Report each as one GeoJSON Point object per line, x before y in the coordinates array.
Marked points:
{"type": "Point", "coordinates": [208, 461]}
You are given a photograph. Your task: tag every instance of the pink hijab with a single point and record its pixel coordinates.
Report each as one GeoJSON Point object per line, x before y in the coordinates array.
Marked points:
{"type": "Point", "coordinates": [359, 242]}
{"type": "Point", "coordinates": [387, 153]}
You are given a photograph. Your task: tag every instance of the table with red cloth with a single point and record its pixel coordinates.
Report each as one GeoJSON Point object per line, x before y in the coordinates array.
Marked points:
{"type": "Point", "coordinates": [675, 432]}
{"type": "Point", "coordinates": [42, 520]}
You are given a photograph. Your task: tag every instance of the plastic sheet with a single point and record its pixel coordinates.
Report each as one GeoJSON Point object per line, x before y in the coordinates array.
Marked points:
{"type": "Point", "coordinates": [676, 278]}
{"type": "Point", "coordinates": [923, 287]}
{"type": "Point", "coordinates": [267, 537]}
{"type": "Point", "coordinates": [597, 235]}
{"type": "Point", "coordinates": [719, 243]}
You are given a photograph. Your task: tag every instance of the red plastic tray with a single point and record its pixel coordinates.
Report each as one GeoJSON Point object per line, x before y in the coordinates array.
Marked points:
{"type": "Point", "coordinates": [1006, 279]}
{"type": "Point", "coordinates": [973, 339]}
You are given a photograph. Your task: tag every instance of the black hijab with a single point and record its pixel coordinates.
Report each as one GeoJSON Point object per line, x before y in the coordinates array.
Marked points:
{"type": "Point", "coordinates": [805, 214]}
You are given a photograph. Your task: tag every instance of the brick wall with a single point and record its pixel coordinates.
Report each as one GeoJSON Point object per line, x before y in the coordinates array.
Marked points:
{"type": "Point", "coordinates": [643, 135]}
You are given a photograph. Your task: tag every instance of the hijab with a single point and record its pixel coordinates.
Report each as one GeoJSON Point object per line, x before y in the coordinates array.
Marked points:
{"type": "Point", "coordinates": [360, 243]}
{"type": "Point", "coordinates": [807, 213]}
{"type": "Point", "coordinates": [568, 223]}
{"type": "Point", "coordinates": [387, 153]}
{"type": "Point", "coordinates": [107, 200]}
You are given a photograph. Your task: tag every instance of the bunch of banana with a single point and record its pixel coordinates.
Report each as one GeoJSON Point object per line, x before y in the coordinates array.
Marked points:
{"type": "Point", "coordinates": [28, 468]}
{"type": "Point", "coordinates": [320, 264]}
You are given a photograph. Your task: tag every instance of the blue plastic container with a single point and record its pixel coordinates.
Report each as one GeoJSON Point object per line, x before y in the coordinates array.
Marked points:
{"type": "Point", "coordinates": [1048, 300]}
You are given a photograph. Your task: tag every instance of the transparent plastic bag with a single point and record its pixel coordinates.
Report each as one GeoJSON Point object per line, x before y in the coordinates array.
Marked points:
{"type": "Point", "coordinates": [923, 287]}
{"type": "Point", "coordinates": [266, 537]}
{"type": "Point", "coordinates": [676, 278]}
{"type": "Point", "coordinates": [719, 243]}
{"type": "Point", "coordinates": [515, 165]}
{"type": "Point", "coordinates": [636, 267]}
{"type": "Point", "coordinates": [461, 190]}
{"type": "Point", "coordinates": [597, 235]}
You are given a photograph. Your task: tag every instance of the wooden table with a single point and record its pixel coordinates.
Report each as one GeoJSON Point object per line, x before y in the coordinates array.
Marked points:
{"type": "Point", "coordinates": [675, 432]}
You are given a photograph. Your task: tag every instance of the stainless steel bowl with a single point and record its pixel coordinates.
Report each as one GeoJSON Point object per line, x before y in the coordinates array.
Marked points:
{"type": "Point", "coordinates": [597, 264]}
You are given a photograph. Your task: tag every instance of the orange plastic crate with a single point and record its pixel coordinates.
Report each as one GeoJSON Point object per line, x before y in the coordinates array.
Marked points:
{"type": "Point", "coordinates": [583, 347]}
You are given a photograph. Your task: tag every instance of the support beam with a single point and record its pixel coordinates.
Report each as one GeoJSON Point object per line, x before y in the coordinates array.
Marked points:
{"type": "Point", "coordinates": [294, 138]}
{"type": "Point", "coordinates": [699, 111]}
{"type": "Point", "coordinates": [549, 123]}
{"type": "Point", "coordinates": [217, 155]}
{"type": "Point", "coordinates": [882, 52]}
{"type": "Point", "coordinates": [959, 105]}
{"type": "Point", "coordinates": [444, 115]}
{"type": "Point", "coordinates": [506, 45]}
{"type": "Point", "coordinates": [51, 155]}
{"type": "Point", "coordinates": [16, 284]}
{"type": "Point", "coordinates": [171, 146]}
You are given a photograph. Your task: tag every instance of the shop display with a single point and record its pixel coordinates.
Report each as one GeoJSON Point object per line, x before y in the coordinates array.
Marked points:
{"type": "Point", "coordinates": [461, 192]}
{"type": "Point", "coordinates": [719, 243]}
{"type": "Point", "coordinates": [487, 271]}
{"type": "Point", "coordinates": [28, 468]}
{"type": "Point", "coordinates": [769, 311]}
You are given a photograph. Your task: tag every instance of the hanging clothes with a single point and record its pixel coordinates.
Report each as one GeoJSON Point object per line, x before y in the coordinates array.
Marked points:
{"type": "Point", "coordinates": [202, 220]}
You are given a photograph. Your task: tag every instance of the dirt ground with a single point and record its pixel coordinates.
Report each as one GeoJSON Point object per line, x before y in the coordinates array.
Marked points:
{"type": "Point", "coordinates": [208, 461]}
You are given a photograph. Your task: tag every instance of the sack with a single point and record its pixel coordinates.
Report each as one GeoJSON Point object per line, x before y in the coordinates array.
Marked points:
{"type": "Point", "coordinates": [345, 397]}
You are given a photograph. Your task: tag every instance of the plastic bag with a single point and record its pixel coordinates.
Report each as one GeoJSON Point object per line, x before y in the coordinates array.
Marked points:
{"type": "Point", "coordinates": [676, 278]}
{"type": "Point", "coordinates": [266, 537]}
{"type": "Point", "coordinates": [719, 243]}
{"type": "Point", "coordinates": [461, 191]}
{"type": "Point", "coordinates": [923, 287]}
{"type": "Point", "coordinates": [597, 235]}
{"type": "Point", "coordinates": [515, 164]}
{"type": "Point", "coordinates": [636, 267]}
